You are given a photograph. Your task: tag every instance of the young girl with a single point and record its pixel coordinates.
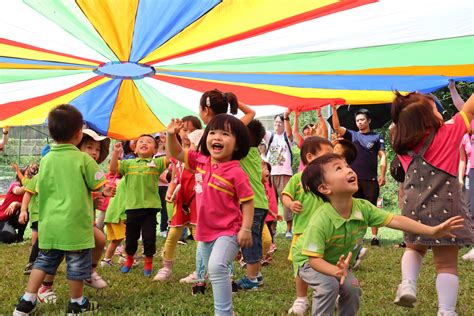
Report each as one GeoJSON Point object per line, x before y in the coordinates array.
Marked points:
{"type": "Point", "coordinates": [268, 247]}
{"type": "Point", "coordinates": [181, 192]}
{"type": "Point", "coordinates": [224, 200]}
{"type": "Point", "coordinates": [428, 149]}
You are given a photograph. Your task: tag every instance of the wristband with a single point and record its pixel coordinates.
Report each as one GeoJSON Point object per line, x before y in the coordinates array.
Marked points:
{"type": "Point", "coordinates": [286, 119]}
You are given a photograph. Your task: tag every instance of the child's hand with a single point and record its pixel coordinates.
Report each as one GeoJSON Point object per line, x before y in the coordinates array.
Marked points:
{"type": "Point", "coordinates": [244, 238]}
{"type": "Point", "coordinates": [444, 229]}
{"type": "Point", "coordinates": [98, 201]}
{"type": "Point", "coordinates": [343, 265]}
{"type": "Point", "coordinates": [118, 148]}
{"type": "Point", "coordinates": [174, 126]}
{"type": "Point", "coordinates": [23, 218]}
{"type": "Point", "coordinates": [296, 207]}
{"type": "Point", "coordinates": [451, 84]}
{"type": "Point", "coordinates": [14, 166]}
{"type": "Point", "coordinates": [279, 218]}
{"type": "Point", "coordinates": [109, 190]}
{"type": "Point", "coordinates": [12, 208]}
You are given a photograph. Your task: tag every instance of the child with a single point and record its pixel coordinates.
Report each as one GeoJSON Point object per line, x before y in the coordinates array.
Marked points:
{"type": "Point", "coordinates": [65, 181]}
{"type": "Point", "coordinates": [322, 257]}
{"type": "Point", "coordinates": [268, 247]}
{"type": "Point", "coordinates": [142, 200]}
{"type": "Point", "coordinates": [252, 166]}
{"type": "Point", "coordinates": [9, 214]}
{"type": "Point", "coordinates": [428, 150]}
{"type": "Point", "coordinates": [222, 189]}
{"type": "Point", "coordinates": [181, 192]}
{"type": "Point", "coordinates": [303, 205]}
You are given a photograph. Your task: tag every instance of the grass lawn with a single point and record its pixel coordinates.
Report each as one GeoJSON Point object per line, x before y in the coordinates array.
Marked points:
{"type": "Point", "coordinates": [133, 294]}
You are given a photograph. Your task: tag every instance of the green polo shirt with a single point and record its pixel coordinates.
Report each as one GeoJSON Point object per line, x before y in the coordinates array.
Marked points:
{"type": "Point", "coordinates": [310, 201]}
{"type": "Point", "coordinates": [252, 165]}
{"type": "Point", "coordinates": [66, 215]}
{"type": "Point", "coordinates": [329, 236]}
{"type": "Point", "coordinates": [141, 181]}
{"type": "Point", "coordinates": [116, 209]}
{"type": "Point", "coordinates": [33, 205]}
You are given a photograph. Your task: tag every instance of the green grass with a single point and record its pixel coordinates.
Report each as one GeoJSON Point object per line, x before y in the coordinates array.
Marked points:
{"type": "Point", "coordinates": [133, 294]}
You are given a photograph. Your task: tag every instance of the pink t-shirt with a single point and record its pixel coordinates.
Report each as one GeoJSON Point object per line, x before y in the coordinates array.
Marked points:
{"type": "Point", "coordinates": [443, 152]}
{"type": "Point", "coordinates": [467, 145]}
{"type": "Point", "coordinates": [220, 188]}
{"type": "Point", "coordinates": [272, 202]}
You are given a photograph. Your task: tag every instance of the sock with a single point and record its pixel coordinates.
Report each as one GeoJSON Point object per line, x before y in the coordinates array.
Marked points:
{"type": "Point", "coordinates": [302, 299]}
{"type": "Point", "coordinates": [447, 287]}
{"type": "Point", "coordinates": [29, 297]}
{"type": "Point", "coordinates": [129, 262]}
{"type": "Point", "coordinates": [411, 264]}
{"type": "Point", "coordinates": [77, 300]}
{"type": "Point", "coordinates": [148, 263]}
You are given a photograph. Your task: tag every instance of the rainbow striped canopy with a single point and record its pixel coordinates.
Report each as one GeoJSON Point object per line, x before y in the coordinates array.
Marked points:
{"type": "Point", "coordinates": [132, 65]}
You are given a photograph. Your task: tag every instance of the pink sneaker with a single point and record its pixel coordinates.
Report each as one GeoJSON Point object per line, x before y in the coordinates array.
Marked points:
{"type": "Point", "coordinates": [191, 278]}
{"type": "Point", "coordinates": [95, 281]}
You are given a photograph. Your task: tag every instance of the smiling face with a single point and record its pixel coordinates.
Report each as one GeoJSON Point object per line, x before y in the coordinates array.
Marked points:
{"type": "Point", "coordinates": [145, 147]}
{"type": "Point", "coordinates": [339, 179]}
{"type": "Point", "coordinates": [92, 148]}
{"type": "Point", "coordinates": [278, 125]}
{"type": "Point", "coordinates": [221, 145]}
{"type": "Point", "coordinates": [188, 127]}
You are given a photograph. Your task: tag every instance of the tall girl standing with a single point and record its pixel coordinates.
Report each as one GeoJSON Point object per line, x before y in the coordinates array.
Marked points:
{"type": "Point", "coordinates": [428, 149]}
{"type": "Point", "coordinates": [222, 190]}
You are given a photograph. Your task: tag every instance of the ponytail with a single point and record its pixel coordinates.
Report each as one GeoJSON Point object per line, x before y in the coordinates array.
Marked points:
{"type": "Point", "coordinates": [219, 102]}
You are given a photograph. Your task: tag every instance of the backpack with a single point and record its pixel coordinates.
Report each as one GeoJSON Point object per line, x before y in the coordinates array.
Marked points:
{"type": "Point", "coordinates": [287, 141]}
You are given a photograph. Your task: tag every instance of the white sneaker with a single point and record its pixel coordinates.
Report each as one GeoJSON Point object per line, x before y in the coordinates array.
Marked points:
{"type": "Point", "coordinates": [95, 281]}
{"type": "Point", "coordinates": [469, 256]}
{"type": "Point", "coordinates": [406, 294]}
{"type": "Point", "coordinates": [191, 278]}
{"type": "Point", "coordinates": [299, 307]}
{"type": "Point", "coordinates": [106, 263]}
{"type": "Point", "coordinates": [360, 257]}
{"type": "Point", "coordinates": [446, 313]}
{"type": "Point", "coordinates": [46, 295]}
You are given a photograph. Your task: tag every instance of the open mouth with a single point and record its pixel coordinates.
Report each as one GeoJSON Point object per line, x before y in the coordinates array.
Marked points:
{"type": "Point", "coordinates": [352, 179]}
{"type": "Point", "coordinates": [217, 147]}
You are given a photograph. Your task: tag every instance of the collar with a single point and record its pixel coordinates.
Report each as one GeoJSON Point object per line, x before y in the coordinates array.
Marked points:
{"type": "Point", "coordinates": [58, 147]}
{"type": "Point", "coordinates": [144, 159]}
{"type": "Point", "coordinates": [206, 160]}
{"type": "Point", "coordinates": [338, 220]}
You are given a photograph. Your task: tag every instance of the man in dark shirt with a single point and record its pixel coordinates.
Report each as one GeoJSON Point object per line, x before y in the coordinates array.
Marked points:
{"type": "Point", "coordinates": [370, 146]}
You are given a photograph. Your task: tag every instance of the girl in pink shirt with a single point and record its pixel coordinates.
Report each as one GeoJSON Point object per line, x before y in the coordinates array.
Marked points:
{"type": "Point", "coordinates": [428, 149]}
{"type": "Point", "coordinates": [224, 201]}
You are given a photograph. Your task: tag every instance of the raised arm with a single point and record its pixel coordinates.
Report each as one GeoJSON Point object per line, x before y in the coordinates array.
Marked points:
{"type": "Point", "coordinates": [249, 114]}
{"type": "Point", "coordinates": [296, 132]}
{"type": "Point", "coordinates": [286, 122]}
{"type": "Point", "coordinates": [335, 121]}
{"type": "Point", "coordinates": [173, 147]}
{"type": "Point", "coordinates": [113, 167]}
{"type": "Point", "coordinates": [18, 172]}
{"type": "Point", "coordinates": [4, 137]}
{"type": "Point", "coordinates": [457, 100]}
{"type": "Point", "coordinates": [322, 123]}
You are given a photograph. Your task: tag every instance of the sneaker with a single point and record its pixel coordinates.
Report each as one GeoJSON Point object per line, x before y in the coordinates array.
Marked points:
{"type": "Point", "coordinates": [25, 307]}
{"type": "Point", "coordinates": [95, 281]}
{"type": "Point", "coordinates": [446, 313]}
{"type": "Point", "coordinates": [235, 287]}
{"type": "Point", "coordinates": [375, 241]}
{"type": "Point", "coordinates": [245, 283]}
{"type": "Point", "coordinates": [118, 250]}
{"type": "Point", "coordinates": [182, 242]}
{"type": "Point", "coordinates": [85, 307]}
{"type": "Point", "coordinates": [260, 279]}
{"type": "Point", "coordinates": [272, 249]}
{"type": "Point", "coordinates": [46, 295]}
{"type": "Point", "coordinates": [28, 268]}
{"type": "Point", "coordinates": [299, 307]}
{"type": "Point", "coordinates": [163, 234]}
{"type": "Point", "coordinates": [288, 234]}
{"type": "Point", "coordinates": [360, 257]}
{"type": "Point", "coordinates": [164, 274]}
{"type": "Point", "coordinates": [199, 288]}
{"type": "Point", "coordinates": [406, 294]}
{"type": "Point", "coordinates": [469, 256]}
{"type": "Point", "coordinates": [191, 278]}
{"type": "Point", "coordinates": [106, 263]}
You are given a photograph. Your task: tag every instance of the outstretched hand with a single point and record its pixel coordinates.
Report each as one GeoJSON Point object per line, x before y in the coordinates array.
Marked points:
{"type": "Point", "coordinates": [174, 126]}
{"type": "Point", "coordinates": [343, 265]}
{"type": "Point", "coordinates": [444, 229]}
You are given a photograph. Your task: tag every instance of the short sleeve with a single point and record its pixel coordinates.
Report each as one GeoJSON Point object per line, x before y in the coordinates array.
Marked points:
{"type": "Point", "coordinates": [161, 163]}
{"type": "Point", "coordinates": [123, 164]}
{"type": "Point", "coordinates": [291, 187]}
{"type": "Point", "coordinates": [94, 177]}
{"type": "Point", "coordinates": [375, 216]}
{"type": "Point", "coordinates": [382, 143]}
{"type": "Point", "coordinates": [348, 135]}
{"type": "Point", "coordinates": [242, 186]}
{"type": "Point", "coordinates": [314, 240]}
{"type": "Point", "coordinates": [190, 158]}
{"type": "Point", "coordinates": [267, 137]}
{"type": "Point", "coordinates": [31, 186]}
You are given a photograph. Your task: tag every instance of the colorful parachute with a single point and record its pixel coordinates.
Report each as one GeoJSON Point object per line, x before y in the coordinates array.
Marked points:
{"type": "Point", "coordinates": [131, 65]}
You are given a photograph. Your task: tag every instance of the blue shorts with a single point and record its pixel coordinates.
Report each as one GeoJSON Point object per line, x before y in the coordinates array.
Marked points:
{"type": "Point", "coordinates": [78, 263]}
{"type": "Point", "coordinates": [254, 254]}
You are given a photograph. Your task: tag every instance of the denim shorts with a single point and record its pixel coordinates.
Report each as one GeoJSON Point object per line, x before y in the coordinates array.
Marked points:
{"type": "Point", "coordinates": [78, 263]}
{"type": "Point", "coordinates": [254, 254]}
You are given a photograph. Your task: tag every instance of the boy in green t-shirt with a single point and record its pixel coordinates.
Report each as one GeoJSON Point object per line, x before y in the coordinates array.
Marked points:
{"type": "Point", "coordinates": [322, 257]}
{"type": "Point", "coordinates": [65, 181]}
{"type": "Point", "coordinates": [303, 204]}
{"type": "Point", "coordinates": [142, 201]}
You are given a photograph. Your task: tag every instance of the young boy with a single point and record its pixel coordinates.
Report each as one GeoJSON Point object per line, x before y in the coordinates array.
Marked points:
{"type": "Point", "coordinates": [142, 201]}
{"type": "Point", "coordinates": [65, 181]}
{"type": "Point", "coordinates": [252, 165]}
{"type": "Point", "coordinates": [322, 257]}
{"type": "Point", "coordinates": [303, 204]}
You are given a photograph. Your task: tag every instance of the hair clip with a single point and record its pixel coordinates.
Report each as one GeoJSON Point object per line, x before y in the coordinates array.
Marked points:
{"type": "Point", "coordinates": [208, 102]}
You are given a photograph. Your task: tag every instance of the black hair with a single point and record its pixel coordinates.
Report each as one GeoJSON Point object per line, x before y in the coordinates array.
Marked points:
{"type": "Point", "coordinates": [233, 125]}
{"type": "Point", "coordinates": [219, 102]}
{"type": "Point", "coordinates": [312, 145]}
{"type": "Point", "coordinates": [363, 112]}
{"type": "Point", "coordinates": [256, 132]}
{"type": "Point", "coordinates": [193, 120]}
{"type": "Point", "coordinates": [307, 126]}
{"type": "Point", "coordinates": [282, 118]}
{"type": "Point", "coordinates": [269, 168]}
{"type": "Point", "coordinates": [157, 142]}
{"type": "Point", "coordinates": [126, 147]}
{"type": "Point", "coordinates": [313, 174]}
{"type": "Point", "coordinates": [349, 150]}
{"type": "Point", "coordinates": [32, 170]}
{"type": "Point", "coordinates": [64, 121]}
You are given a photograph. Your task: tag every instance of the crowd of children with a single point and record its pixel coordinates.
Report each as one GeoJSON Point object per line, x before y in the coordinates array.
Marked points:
{"type": "Point", "coordinates": [218, 185]}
